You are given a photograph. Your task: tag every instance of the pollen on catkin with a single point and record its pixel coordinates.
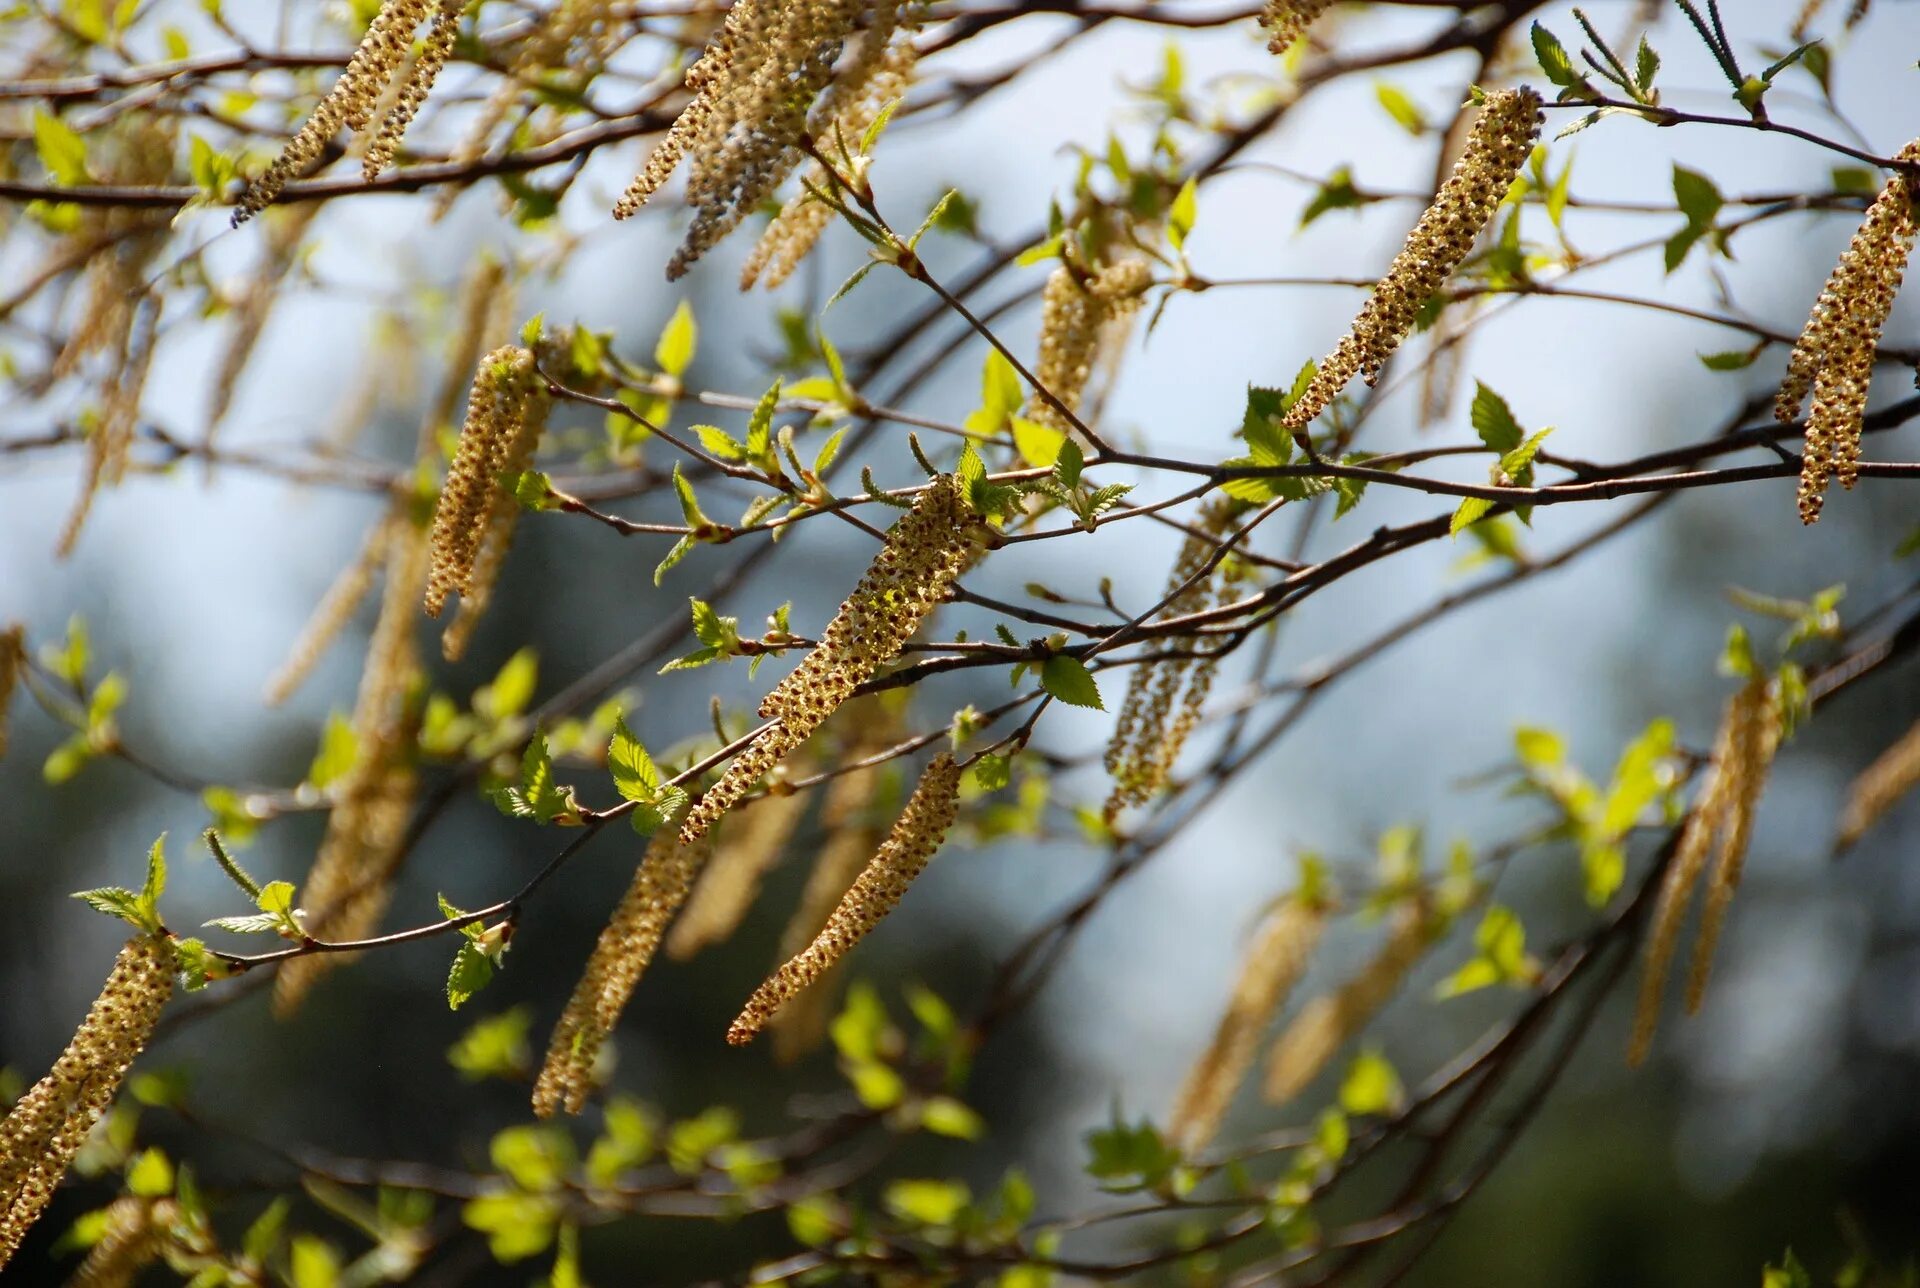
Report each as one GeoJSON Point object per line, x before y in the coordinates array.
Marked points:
{"type": "Point", "coordinates": [1501, 141]}
{"type": "Point", "coordinates": [13, 660]}
{"type": "Point", "coordinates": [413, 88]}
{"type": "Point", "coordinates": [1894, 773]}
{"type": "Point", "coordinates": [1329, 1021]}
{"type": "Point", "coordinates": [1833, 358]}
{"type": "Point", "coordinates": [1274, 962]}
{"type": "Point", "coordinates": [45, 1129]}
{"type": "Point", "coordinates": [1075, 311]}
{"type": "Point", "coordinates": [496, 533]}
{"type": "Point", "coordinates": [745, 851]}
{"type": "Point", "coordinates": [918, 832]}
{"type": "Point", "coordinates": [1288, 20]}
{"type": "Point", "coordinates": [620, 956]}
{"type": "Point", "coordinates": [494, 436]}
{"type": "Point", "coordinates": [922, 556]}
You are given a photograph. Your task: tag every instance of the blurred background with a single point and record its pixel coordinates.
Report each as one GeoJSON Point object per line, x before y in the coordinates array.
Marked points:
{"type": "Point", "coordinates": [1789, 1105]}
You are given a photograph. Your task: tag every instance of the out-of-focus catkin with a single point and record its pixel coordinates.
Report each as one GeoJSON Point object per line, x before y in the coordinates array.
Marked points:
{"type": "Point", "coordinates": [13, 660]}
{"type": "Point", "coordinates": [1075, 314]}
{"type": "Point", "coordinates": [620, 956]}
{"type": "Point", "coordinates": [43, 1132]}
{"type": "Point", "coordinates": [1499, 146]}
{"type": "Point", "coordinates": [1277, 958]}
{"type": "Point", "coordinates": [132, 1237]}
{"type": "Point", "coordinates": [1329, 1021]}
{"type": "Point", "coordinates": [745, 852]}
{"type": "Point", "coordinates": [1834, 356]}
{"type": "Point", "coordinates": [918, 832]}
{"type": "Point", "coordinates": [1811, 10]}
{"type": "Point", "coordinates": [499, 434]}
{"type": "Point", "coordinates": [1288, 20]}
{"type": "Point", "coordinates": [255, 305]}
{"type": "Point", "coordinates": [1894, 773]}
{"type": "Point", "coordinates": [1743, 750]}
{"type": "Point", "coordinates": [331, 615]}
{"type": "Point", "coordinates": [922, 555]}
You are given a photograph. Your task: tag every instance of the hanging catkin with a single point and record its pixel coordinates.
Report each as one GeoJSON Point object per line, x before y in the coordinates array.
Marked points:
{"type": "Point", "coordinates": [1500, 144]}
{"type": "Point", "coordinates": [745, 852]}
{"type": "Point", "coordinates": [620, 956]}
{"type": "Point", "coordinates": [1074, 315]}
{"type": "Point", "coordinates": [335, 609]}
{"type": "Point", "coordinates": [43, 1132]}
{"type": "Point", "coordinates": [1894, 773]}
{"type": "Point", "coordinates": [922, 825]}
{"type": "Point", "coordinates": [500, 434]}
{"type": "Point", "coordinates": [1288, 20]}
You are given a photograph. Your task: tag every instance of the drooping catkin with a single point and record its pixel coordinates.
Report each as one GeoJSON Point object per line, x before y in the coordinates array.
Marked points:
{"type": "Point", "coordinates": [351, 102]}
{"type": "Point", "coordinates": [1329, 1021]}
{"type": "Point", "coordinates": [412, 91]}
{"type": "Point", "coordinates": [255, 305]}
{"type": "Point", "coordinates": [1288, 20]}
{"type": "Point", "coordinates": [496, 533]}
{"type": "Point", "coordinates": [1074, 315]}
{"type": "Point", "coordinates": [1834, 356]}
{"type": "Point", "coordinates": [43, 1132]}
{"type": "Point", "coordinates": [1277, 958]}
{"type": "Point", "coordinates": [876, 73]}
{"type": "Point", "coordinates": [1499, 146]}
{"type": "Point", "coordinates": [744, 126]}
{"type": "Point", "coordinates": [347, 890]}
{"type": "Point", "coordinates": [1893, 773]}
{"type": "Point", "coordinates": [13, 660]}
{"type": "Point", "coordinates": [922, 555]}
{"type": "Point", "coordinates": [918, 832]}
{"type": "Point", "coordinates": [331, 615]}
{"type": "Point", "coordinates": [132, 1237]}
{"type": "Point", "coordinates": [1743, 752]}
{"type": "Point", "coordinates": [494, 435]}
{"type": "Point", "coordinates": [744, 853]}
{"type": "Point", "coordinates": [620, 956]}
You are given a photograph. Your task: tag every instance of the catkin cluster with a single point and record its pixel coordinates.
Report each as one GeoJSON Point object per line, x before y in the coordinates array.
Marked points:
{"type": "Point", "coordinates": [619, 958]}
{"type": "Point", "coordinates": [747, 119]}
{"type": "Point", "coordinates": [1834, 356]}
{"type": "Point", "coordinates": [1499, 146]}
{"type": "Point", "coordinates": [1288, 20]}
{"type": "Point", "coordinates": [1165, 699]}
{"type": "Point", "coordinates": [918, 832]}
{"type": "Point", "coordinates": [922, 555]}
{"type": "Point", "coordinates": [13, 660]}
{"type": "Point", "coordinates": [876, 73]}
{"type": "Point", "coordinates": [380, 81]}
{"type": "Point", "coordinates": [505, 414]}
{"type": "Point", "coordinates": [1894, 773]}
{"type": "Point", "coordinates": [348, 887]}
{"type": "Point", "coordinates": [1076, 313]}
{"type": "Point", "coordinates": [1274, 963]}
{"type": "Point", "coordinates": [1328, 1022]}
{"type": "Point", "coordinates": [1743, 753]}
{"type": "Point", "coordinates": [43, 1132]}
{"type": "Point", "coordinates": [748, 847]}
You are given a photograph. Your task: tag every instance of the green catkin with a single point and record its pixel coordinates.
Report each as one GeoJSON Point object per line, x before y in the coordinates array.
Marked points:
{"type": "Point", "coordinates": [45, 1129]}
{"type": "Point", "coordinates": [918, 832]}
{"type": "Point", "coordinates": [1499, 146]}
{"type": "Point", "coordinates": [620, 956]}
{"type": "Point", "coordinates": [1894, 773]}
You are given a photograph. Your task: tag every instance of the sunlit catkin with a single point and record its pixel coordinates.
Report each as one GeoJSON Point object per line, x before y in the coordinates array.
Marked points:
{"type": "Point", "coordinates": [496, 532]}
{"type": "Point", "coordinates": [333, 612]}
{"type": "Point", "coordinates": [1288, 20]}
{"type": "Point", "coordinates": [918, 832]}
{"type": "Point", "coordinates": [133, 1235]}
{"type": "Point", "coordinates": [1328, 1022]}
{"type": "Point", "coordinates": [1499, 146]}
{"type": "Point", "coordinates": [1834, 356]}
{"type": "Point", "coordinates": [1073, 314]}
{"type": "Point", "coordinates": [495, 435]}
{"type": "Point", "coordinates": [13, 660]}
{"type": "Point", "coordinates": [1894, 773]}
{"type": "Point", "coordinates": [620, 956]}
{"type": "Point", "coordinates": [1282, 946]}
{"type": "Point", "coordinates": [922, 555]}
{"type": "Point", "coordinates": [1755, 739]}
{"type": "Point", "coordinates": [413, 90]}
{"type": "Point", "coordinates": [745, 851]}
{"type": "Point", "coordinates": [43, 1132]}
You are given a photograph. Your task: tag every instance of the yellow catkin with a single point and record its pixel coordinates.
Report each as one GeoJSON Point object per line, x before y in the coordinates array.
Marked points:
{"type": "Point", "coordinates": [1834, 356]}
{"type": "Point", "coordinates": [1894, 773]}
{"type": "Point", "coordinates": [13, 660]}
{"type": "Point", "coordinates": [1755, 739]}
{"type": "Point", "coordinates": [918, 832]}
{"type": "Point", "coordinates": [1274, 963]}
{"type": "Point", "coordinates": [1328, 1022]}
{"type": "Point", "coordinates": [133, 1236]}
{"type": "Point", "coordinates": [496, 426]}
{"type": "Point", "coordinates": [333, 612]}
{"type": "Point", "coordinates": [620, 956]}
{"type": "Point", "coordinates": [922, 555]}
{"type": "Point", "coordinates": [485, 294]}
{"type": "Point", "coordinates": [876, 73]}
{"type": "Point", "coordinates": [352, 102]}
{"type": "Point", "coordinates": [1074, 314]}
{"type": "Point", "coordinates": [1288, 20]}
{"type": "Point", "coordinates": [745, 852]}
{"type": "Point", "coordinates": [496, 534]}
{"type": "Point", "coordinates": [413, 91]}
{"type": "Point", "coordinates": [1499, 146]}
{"type": "Point", "coordinates": [347, 890]}
{"type": "Point", "coordinates": [43, 1132]}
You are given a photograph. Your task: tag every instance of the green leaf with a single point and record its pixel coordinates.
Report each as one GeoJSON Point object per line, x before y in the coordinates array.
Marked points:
{"type": "Point", "coordinates": [1068, 679]}
{"type": "Point", "coordinates": [495, 1047]}
{"type": "Point", "coordinates": [114, 901]}
{"type": "Point", "coordinates": [991, 773]}
{"type": "Point", "coordinates": [1180, 215]}
{"type": "Point", "coordinates": [276, 899]}
{"type": "Point", "coordinates": [150, 1175]}
{"type": "Point", "coordinates": [312, 1263]}
{"type": "Point", "coordinates": [675, 555]}
{"type": "Point", "coordinates": [1788, 1274]}
{"type": "Point", "coordinates": [1732, 360]}
{"type": "Point", "coordinates": [678, 340]}
{"type": "Point", "coordinates": [1129, 1156]}
{"type": "Point", "coordinates": [718, 442]}
{"type": "Point", "coordinates": [635, 776]}
{"type": "Point", "coordinates": [760, 425]}
{"type": "Point", "coordinates": [512, 687]}
{"type": "Point", "coordinates": [1067, 464]}
{"type": "Point", "coordinates": [472, 971]}
{"type": "Point", "coordinates": [339, 749]}
{"type": "Point", "coordinates": [1039, 445]}
{"type": "Point", "coordinates": [535, 1158]}
{"type": "Point", "coordinates": [156, 883]}
{"type": "Point", "coordinates": [62, 152]}
{"type": "Point", "coordinates": [1493, 420]}
{"type": "Point", "coordinates": [517, 1225]}
{"type": "Point", "coordinates": [945, 1116]}
{"type": "Point", "coordinates": [1337, 193]}
{"type": "Point", "coordinates": [1401, 108]}
{"type": "Point", "coordinates": [1472, 509]}
{"type": "Point", "coordinates": [66, 760]}
{"type": "Point", "coordinates": [689, 503]}
{"type": "Point", "coordinates": [931, 1203]}
{"type": "Point", "coordinates": [1554, 61]}
{"type": "Point", "coordinates": [1371, 1086]}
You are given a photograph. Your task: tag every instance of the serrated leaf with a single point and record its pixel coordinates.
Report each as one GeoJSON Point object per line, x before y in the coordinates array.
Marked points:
{"type": "Point", "coordinates": [760, 424]}
{"type": "Point", "coordinates": [1039, 445]}
{"type": "Point", "coordinates": [252, 924]}
{"type": "Point", "coordinates": [718, 442]}
{"type": "Point", "coordinates": [1401, 108]}
{"type": "Point", "coordinates": [1068, 679]}
{"type": "Point", "coordinates": [156, 882]}
{"type": "Point", "coordinates": [823, 460]}
{"type": "Point", "coordinates": [674, 556]}
{"type": "Point", "coordinates": [1471, 510]}
{"type": "Point", "coordinates": [472, 971]}
{"type": "Point", "coordinates": [1493, 420]}
{"type": "Point", "coordinates": [1067, 464]}
{"type": "Point", "coordinates": [1553, 59]}
{"type": "Point", "coordinates": [114, 901]}
{"type": "Point", "coordinates": [635, 776]}
{"type": "Point", "coordinates": [1181, 214]}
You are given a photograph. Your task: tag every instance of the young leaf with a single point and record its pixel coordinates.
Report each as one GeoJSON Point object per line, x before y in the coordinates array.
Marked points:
{"type": "Point", "coordinates": [678, 340]}
{"type": "Point", "coordinates": [1068, 679]}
